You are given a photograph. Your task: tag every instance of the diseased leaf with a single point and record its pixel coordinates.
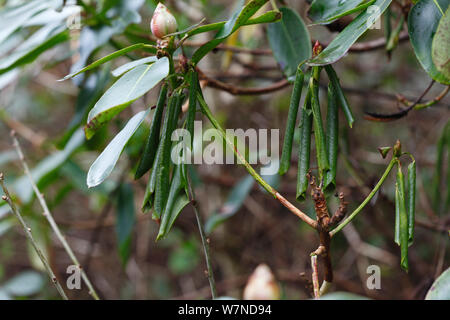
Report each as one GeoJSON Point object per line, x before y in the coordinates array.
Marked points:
{"type": "Point", "coordinates": [339, 93]}
{"type": "Point", "coordinates": [343, 41]}
{"type": "Point", "coordinates": [411, 187]}
{"type": "Point", "coordinates": [124, 91]}
{"type": "Point", "coordinates": [104, 164]}
{"type": "Point", "coordinates": [423, 20]}
{"type": "Point", "coordinates": [290, 41]}
{"type": "Point", "coordinates": [440, 49]}
{"type": "Point", "coordinates": [234, 202]}
{"type": "Point", "coordinates": [125, 220]}
{"type": "Point", "coordinates": [327, 11]}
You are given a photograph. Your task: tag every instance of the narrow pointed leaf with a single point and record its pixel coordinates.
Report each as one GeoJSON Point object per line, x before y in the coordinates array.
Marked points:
{"type": "Point", "coordinates": [107, 58]}
{"type": "Point", "coordinates": [319, 133]}
{"type": "Point", "coordinates": [164, 161]}
{"type": "Point", "coordinates": [402, 218]}
{"type": "Point", "coordinates": [176, 201]}
{"type": "Point", "coordinates": [291, 120]}
{"type": "Point", "coordinates": [411, 187]}
{"type": "Point", "coordinates": [124, 91]}
{"type": "Point", "coordinates": [344, 40]}
{"type": "Point", "coordinates": [194, 87]}
{"type": "Point", "coordinates": [151, 146]}
{"type": "Point", "coordinates": [332, 132]}
{"type": "Point", "coordinates": [339, 93]}
{"type": "Point", "coordinates": [290, 41]}
{"type": "Point", "coordinates": [304, 149]}
{"type": "Point", "coordinates": [327, 11]}
{"type": "Point", "coordinates": [104, 164]}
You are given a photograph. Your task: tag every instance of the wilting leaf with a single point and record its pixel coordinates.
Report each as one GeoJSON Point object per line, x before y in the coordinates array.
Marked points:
{"type": "Point", "coordinates": [290, 41]}
{"type": "Point", "coordinates": [423, 20]}
{"type": "Point", "coordinates": [402, 215]}
{"type": "Point", "coordinates": [126, 90]}
{"type": "Point", "coordinates": [411, 187]}
{"type": "Point", "coordinates": [343, 41]}
{"type": "Point", "coordinates": [104, 164]}
{"type": "Point", "coordinates": [234, 202]}
{"type": "Point", "coordinates": [332, 138]}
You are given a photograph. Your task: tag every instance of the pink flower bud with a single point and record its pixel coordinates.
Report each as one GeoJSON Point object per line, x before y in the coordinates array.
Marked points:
{"type": "Point", "coordinates": [163, 22]}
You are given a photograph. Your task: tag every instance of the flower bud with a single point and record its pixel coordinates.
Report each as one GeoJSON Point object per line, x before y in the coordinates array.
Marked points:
{"type": "Point", "coordinates": [163, 22]}
{"type": "Point", "coordinates": [262, 285]}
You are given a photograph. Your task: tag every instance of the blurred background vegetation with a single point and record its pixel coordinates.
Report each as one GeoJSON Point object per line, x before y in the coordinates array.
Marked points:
{"type": "Point", "coordinates": [45, 113]}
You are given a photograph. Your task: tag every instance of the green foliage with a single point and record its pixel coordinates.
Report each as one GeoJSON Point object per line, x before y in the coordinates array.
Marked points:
{"type": "Point", "coordinates": [423, 21]}
{"type": "Point", "coordinates": [327, 11]}
{"type": "Point", "coordinates": [290, 41]}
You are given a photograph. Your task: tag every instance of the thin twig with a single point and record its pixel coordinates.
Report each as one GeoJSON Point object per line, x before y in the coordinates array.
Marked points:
{"type": "Point", "coordinates": [47, 214]}
{"type": "Point", "coordinates": [205, 241]}
{"type": "Point", "coordinates": [7, 198]}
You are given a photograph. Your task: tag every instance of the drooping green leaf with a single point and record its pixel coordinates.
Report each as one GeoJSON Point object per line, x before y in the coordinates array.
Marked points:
{"type": "Point", "coordinates": [423, 20]}
{"type": "Point", "coordinates": [47, 167]}
{"type": "Point", "coordinates": [194, 87]}
{"type": "Point", "coordinates": [304, 148]}
{"type": "Point", "coordinates": [327, 11]}
{"type": "Point", "coordinates": [332, 138]}
{"type": "Point", "coordinates": [176, 201]}
{"type": "Point", "coordinates": [290, 41]}
{"type": "Point", "coordinates": [440, 49]}
{"type": "Point", "coordinates": [291, 120]}
{"type": "Point", "coordinates": [343, 41]}
{"type": "Point", "coordinates": [104, 164]}
{"type": "Point", "coordinates": [42, 40]}
{"type": "Point", "coordinates": [440, 289]}
{"type": "Point", "coordinates": [339, 93]}
{"type": "Point", "coordinates": [400, 201]}
{"type": "Point", "coordinates": [110, 57]}
{"type": "Point", "coordinates": [126, 90]}
{"type": "Point", "coordinates": [411, 187]}
{"type": "Point", "coordinates": [125, 220]}
{"type": "Point", "coordinates": [164, 162]}
{"type": "Point", "coordinates": [319, 133]}
{"type": "Point", "coordinates": [238, 19]}
{"type": "Point", "coordinates": [151, 147]}
{"type": "Point", "coordinates": [234, 202]}
{"type": "Point", "coordinates": [133, 64]}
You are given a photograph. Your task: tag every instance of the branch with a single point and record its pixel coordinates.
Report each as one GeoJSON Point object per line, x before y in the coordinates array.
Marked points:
{"type": "Point", "coordinates": [315, 276]}
{"type": "Point", "coordinates": [47, 214]}
{"type": "Point", "coordinates": [366, 200]}
{"type": "Point", "coordinates": [7, 198]}
{"type": "Point", "coordinates": [312, 223]}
